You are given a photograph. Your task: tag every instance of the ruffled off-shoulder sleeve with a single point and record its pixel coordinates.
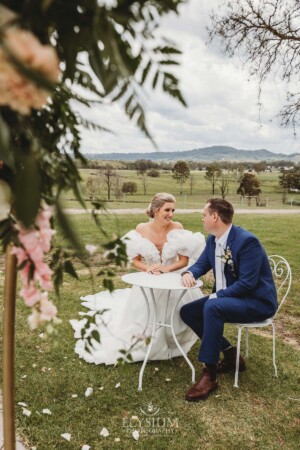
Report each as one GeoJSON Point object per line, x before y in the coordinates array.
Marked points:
{"type": "Point", "coordinates": [186, 243]}
{"type": "Point", "coordinates": [137, 245]}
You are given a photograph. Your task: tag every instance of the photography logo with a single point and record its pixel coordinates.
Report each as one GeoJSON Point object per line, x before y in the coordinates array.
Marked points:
{"type": "Point", "coordinates": [151, 420]}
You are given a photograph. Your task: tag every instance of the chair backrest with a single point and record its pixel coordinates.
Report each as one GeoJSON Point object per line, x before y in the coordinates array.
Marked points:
{"type": "Point", "coordinates": [282, 276]}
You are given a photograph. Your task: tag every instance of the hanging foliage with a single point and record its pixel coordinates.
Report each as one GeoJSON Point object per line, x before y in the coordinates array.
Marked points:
{"type": "Point", "coordinates": [54, 54]}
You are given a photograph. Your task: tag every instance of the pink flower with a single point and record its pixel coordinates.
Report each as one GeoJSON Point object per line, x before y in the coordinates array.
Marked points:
{"type": "Point", "coordinates": [47, 309]}
{"type": "Point", "coordinates": [32, 244]}
{"type": "Point", "coordinates": [34, 319]}
{"type": "Point", "coordinates": [44, 216]}
{"type": "Point", "coordinates": [45, 238]}
{"type": "Point", "coordinates": [29, 239]}
{"type": "Point", "coordinates": [20, 254]}
{"type": "Point", "coordinates": [30, 294]}
{"type": "Point", "coordinates": [43, 274]}
{"type": "Point", "coordinates": [25, 273]}
{"type": "Point", "coordinates": [18, 92]}
{"type": "Point", "coordinates": [35, 243]}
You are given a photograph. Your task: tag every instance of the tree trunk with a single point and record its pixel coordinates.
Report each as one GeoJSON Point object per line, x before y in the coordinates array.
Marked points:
{"type": "Point", "coordinates": [9, 351]}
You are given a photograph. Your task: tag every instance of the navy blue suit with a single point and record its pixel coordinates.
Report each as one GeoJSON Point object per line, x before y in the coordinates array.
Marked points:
{"type": "Point", "coordinates": [250, 294]}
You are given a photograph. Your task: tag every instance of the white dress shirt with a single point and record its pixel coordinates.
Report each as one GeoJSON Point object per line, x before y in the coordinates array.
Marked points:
{"type": "Point", "coordinates": [219, 265]}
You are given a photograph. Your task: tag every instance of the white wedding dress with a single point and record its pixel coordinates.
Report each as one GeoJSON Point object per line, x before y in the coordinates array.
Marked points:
{"type": "Point", "coordinates": [127, 315]}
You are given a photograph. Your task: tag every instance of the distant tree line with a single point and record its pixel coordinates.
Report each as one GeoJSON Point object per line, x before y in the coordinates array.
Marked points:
{"type": "Point", "coordinates": [107, 180]}
{"type": "Point", "coordinates": [231, 166]}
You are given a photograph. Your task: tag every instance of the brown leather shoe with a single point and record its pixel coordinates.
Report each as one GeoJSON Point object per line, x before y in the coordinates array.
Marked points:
{"type": "Point", "coordinates": [202, 388]}
{"type": "Point", "coordinates": [229, 361]}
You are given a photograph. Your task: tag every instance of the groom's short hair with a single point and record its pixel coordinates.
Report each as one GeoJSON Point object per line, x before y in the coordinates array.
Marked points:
{"type": "Point", "coordinates": [222, 207]}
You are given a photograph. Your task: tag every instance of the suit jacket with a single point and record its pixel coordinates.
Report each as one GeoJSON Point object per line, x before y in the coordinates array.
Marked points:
{"type": "Point", "coordinates": [249, 276]}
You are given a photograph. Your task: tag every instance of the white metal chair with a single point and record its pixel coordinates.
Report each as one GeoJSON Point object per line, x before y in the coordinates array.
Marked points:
{"type": "Point", "coordinates": [283, 279]}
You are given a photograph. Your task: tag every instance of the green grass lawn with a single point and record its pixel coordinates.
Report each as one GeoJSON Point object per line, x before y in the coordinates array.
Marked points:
{"type": "Point", "coordinates": [262, 414]}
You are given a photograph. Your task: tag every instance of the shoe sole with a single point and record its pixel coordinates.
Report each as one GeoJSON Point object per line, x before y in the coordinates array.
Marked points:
{"type": "Point", "coordinates": [198, 399]}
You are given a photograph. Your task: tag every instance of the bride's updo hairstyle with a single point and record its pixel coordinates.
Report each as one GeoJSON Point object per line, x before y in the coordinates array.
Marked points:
{"type": "Point", "coordinates": [158, 201]}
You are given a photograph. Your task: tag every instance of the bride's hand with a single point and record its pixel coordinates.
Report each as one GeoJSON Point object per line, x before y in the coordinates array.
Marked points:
{"type": "Point", "coordinates": [154, 269]}
{"type": "Point", "coordinates": [163, 269]}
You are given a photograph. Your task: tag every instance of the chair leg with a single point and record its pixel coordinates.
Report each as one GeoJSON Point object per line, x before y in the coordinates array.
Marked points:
{"type": "Point", "coordinates": [274, 362]}
{"type": "Point", "coordinates": [247, 345]}
{"type": "Point", "coordinates": [237, 363]}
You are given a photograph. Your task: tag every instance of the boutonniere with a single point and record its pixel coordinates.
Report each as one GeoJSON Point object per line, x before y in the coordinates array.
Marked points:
{"type": "Point", "coordinates": [226, 259]}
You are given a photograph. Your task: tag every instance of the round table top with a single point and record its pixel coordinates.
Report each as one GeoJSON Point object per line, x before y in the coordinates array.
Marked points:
{"type": "Point", "coordinates": [169, 280]}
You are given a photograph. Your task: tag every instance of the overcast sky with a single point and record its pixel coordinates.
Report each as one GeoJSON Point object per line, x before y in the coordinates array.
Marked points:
{"type": "Point", "coordinates": [222, 101]}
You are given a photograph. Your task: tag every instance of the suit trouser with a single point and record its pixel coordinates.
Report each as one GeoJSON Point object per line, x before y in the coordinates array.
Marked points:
{"type": "Point", "coordinates": [206, 317]}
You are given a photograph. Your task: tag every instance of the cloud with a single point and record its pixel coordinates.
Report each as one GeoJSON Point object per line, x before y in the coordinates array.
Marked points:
{"type": "Point", "coordinates": [222, 101]}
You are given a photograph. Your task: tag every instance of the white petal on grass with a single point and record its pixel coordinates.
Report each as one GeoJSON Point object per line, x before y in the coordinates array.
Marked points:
{"type": "Point", "coordinates": [88, 392]}
{"type": "Point", "coordinates": [66, 436]}
{"type": "Point", "coordinates": [104, 432]}
{"type": "Point", "coordinates": [101, 388]}
{"type": "Point", "coordinates": [26, 412]}
{"type": "Point", "coordinates": [74, 395]}
{"type": "Point", "coordinates": [91, 248]}
{"type": "Point", "coordinates": [136, 435]}
{"type": "Point", "coordinates": [47, 411]}
{"type": "Point", "coordinates": [168, 379]}
{"type": "Point", "coordinates": [134, 417]}
{"type": "Point", "coordinates": [117, 385]}
{"type": "Point", "coordinates": [117, 439]}
{"type": "Point", "coordinates": [85, 447]}
{"type": "Point", "coordinates": [22, 404]}
{"type": "Point", "coordinates": [24, 376]}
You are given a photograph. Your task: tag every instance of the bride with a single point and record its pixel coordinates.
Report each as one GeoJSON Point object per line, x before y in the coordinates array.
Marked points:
{"type": "Point", "coordinates": [156, 247]}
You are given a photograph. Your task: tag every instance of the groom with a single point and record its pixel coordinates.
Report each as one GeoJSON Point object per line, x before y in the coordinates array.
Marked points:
{"type": "Point", "coordinates": [244, 291]}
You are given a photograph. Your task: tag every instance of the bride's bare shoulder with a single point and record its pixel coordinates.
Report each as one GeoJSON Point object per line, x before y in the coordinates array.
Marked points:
{"type": "Point", "coordinates": [177, 226]}
{"type": "Point", "coordinates": [141, 227]}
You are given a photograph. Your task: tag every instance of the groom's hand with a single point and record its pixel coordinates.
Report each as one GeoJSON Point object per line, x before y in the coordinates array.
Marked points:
{"type": "Point", "coordinates": [188, 280]}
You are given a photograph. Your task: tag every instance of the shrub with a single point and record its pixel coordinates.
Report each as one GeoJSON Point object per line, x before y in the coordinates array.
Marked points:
{"type": "Point", "coordinates": [129, 187]}
{"type": "Point", "coordinates": [153, 173]}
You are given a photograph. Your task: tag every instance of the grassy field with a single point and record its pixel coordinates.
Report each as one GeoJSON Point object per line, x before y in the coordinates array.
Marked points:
{"type": "Point", "coordinates": [271, 192]}
{"type": "Point", "coordinates": [262, 414]}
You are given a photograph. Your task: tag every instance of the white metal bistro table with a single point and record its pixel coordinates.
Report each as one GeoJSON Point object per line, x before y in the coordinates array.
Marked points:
{"type": "Point", "coordinates": [170, 282]}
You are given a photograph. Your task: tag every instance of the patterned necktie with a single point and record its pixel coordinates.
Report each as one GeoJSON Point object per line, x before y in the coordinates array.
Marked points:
{"type": "Point", "coordinates": [219, 273]}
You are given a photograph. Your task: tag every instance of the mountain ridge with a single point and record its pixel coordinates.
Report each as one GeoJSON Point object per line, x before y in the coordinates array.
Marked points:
{"type": "Point", "coordinates": [205, 154]}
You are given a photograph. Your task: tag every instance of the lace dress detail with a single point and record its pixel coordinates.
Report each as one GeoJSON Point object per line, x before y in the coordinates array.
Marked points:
{"type": "Point", "coordinates": [127, 315]}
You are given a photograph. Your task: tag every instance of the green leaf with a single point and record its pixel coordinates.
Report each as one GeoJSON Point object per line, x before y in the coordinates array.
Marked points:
{"type": "Point", "coordinates": [27, 188]}
{"type": "Point", "coordinates": [78, 193]}
{"type": "Point", "coordinates": [145, 72]}
{"type": "Point", "coordinates": [58, 278]}
{"type": "Point", "coordinates": [155, 79]}
{"type": "Point", "coordinates": [169, 62]}
{"type": "Point", "coordinates": [69, 232]}
{"type": "Point", "coordinates": [6, 154]}
{"type": "Point", "coordinates": [168, 50]}
{"type": "Point", "coordinates": [122, 91]}
{"type": "Point", "coordinates": [96, 335]}
{"type": "Point", "coordinates": [69, 268]}
{"type": "Point", "coordinates": [170, 85]}
{"type": "Point", "coordinates": [108, 284]}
